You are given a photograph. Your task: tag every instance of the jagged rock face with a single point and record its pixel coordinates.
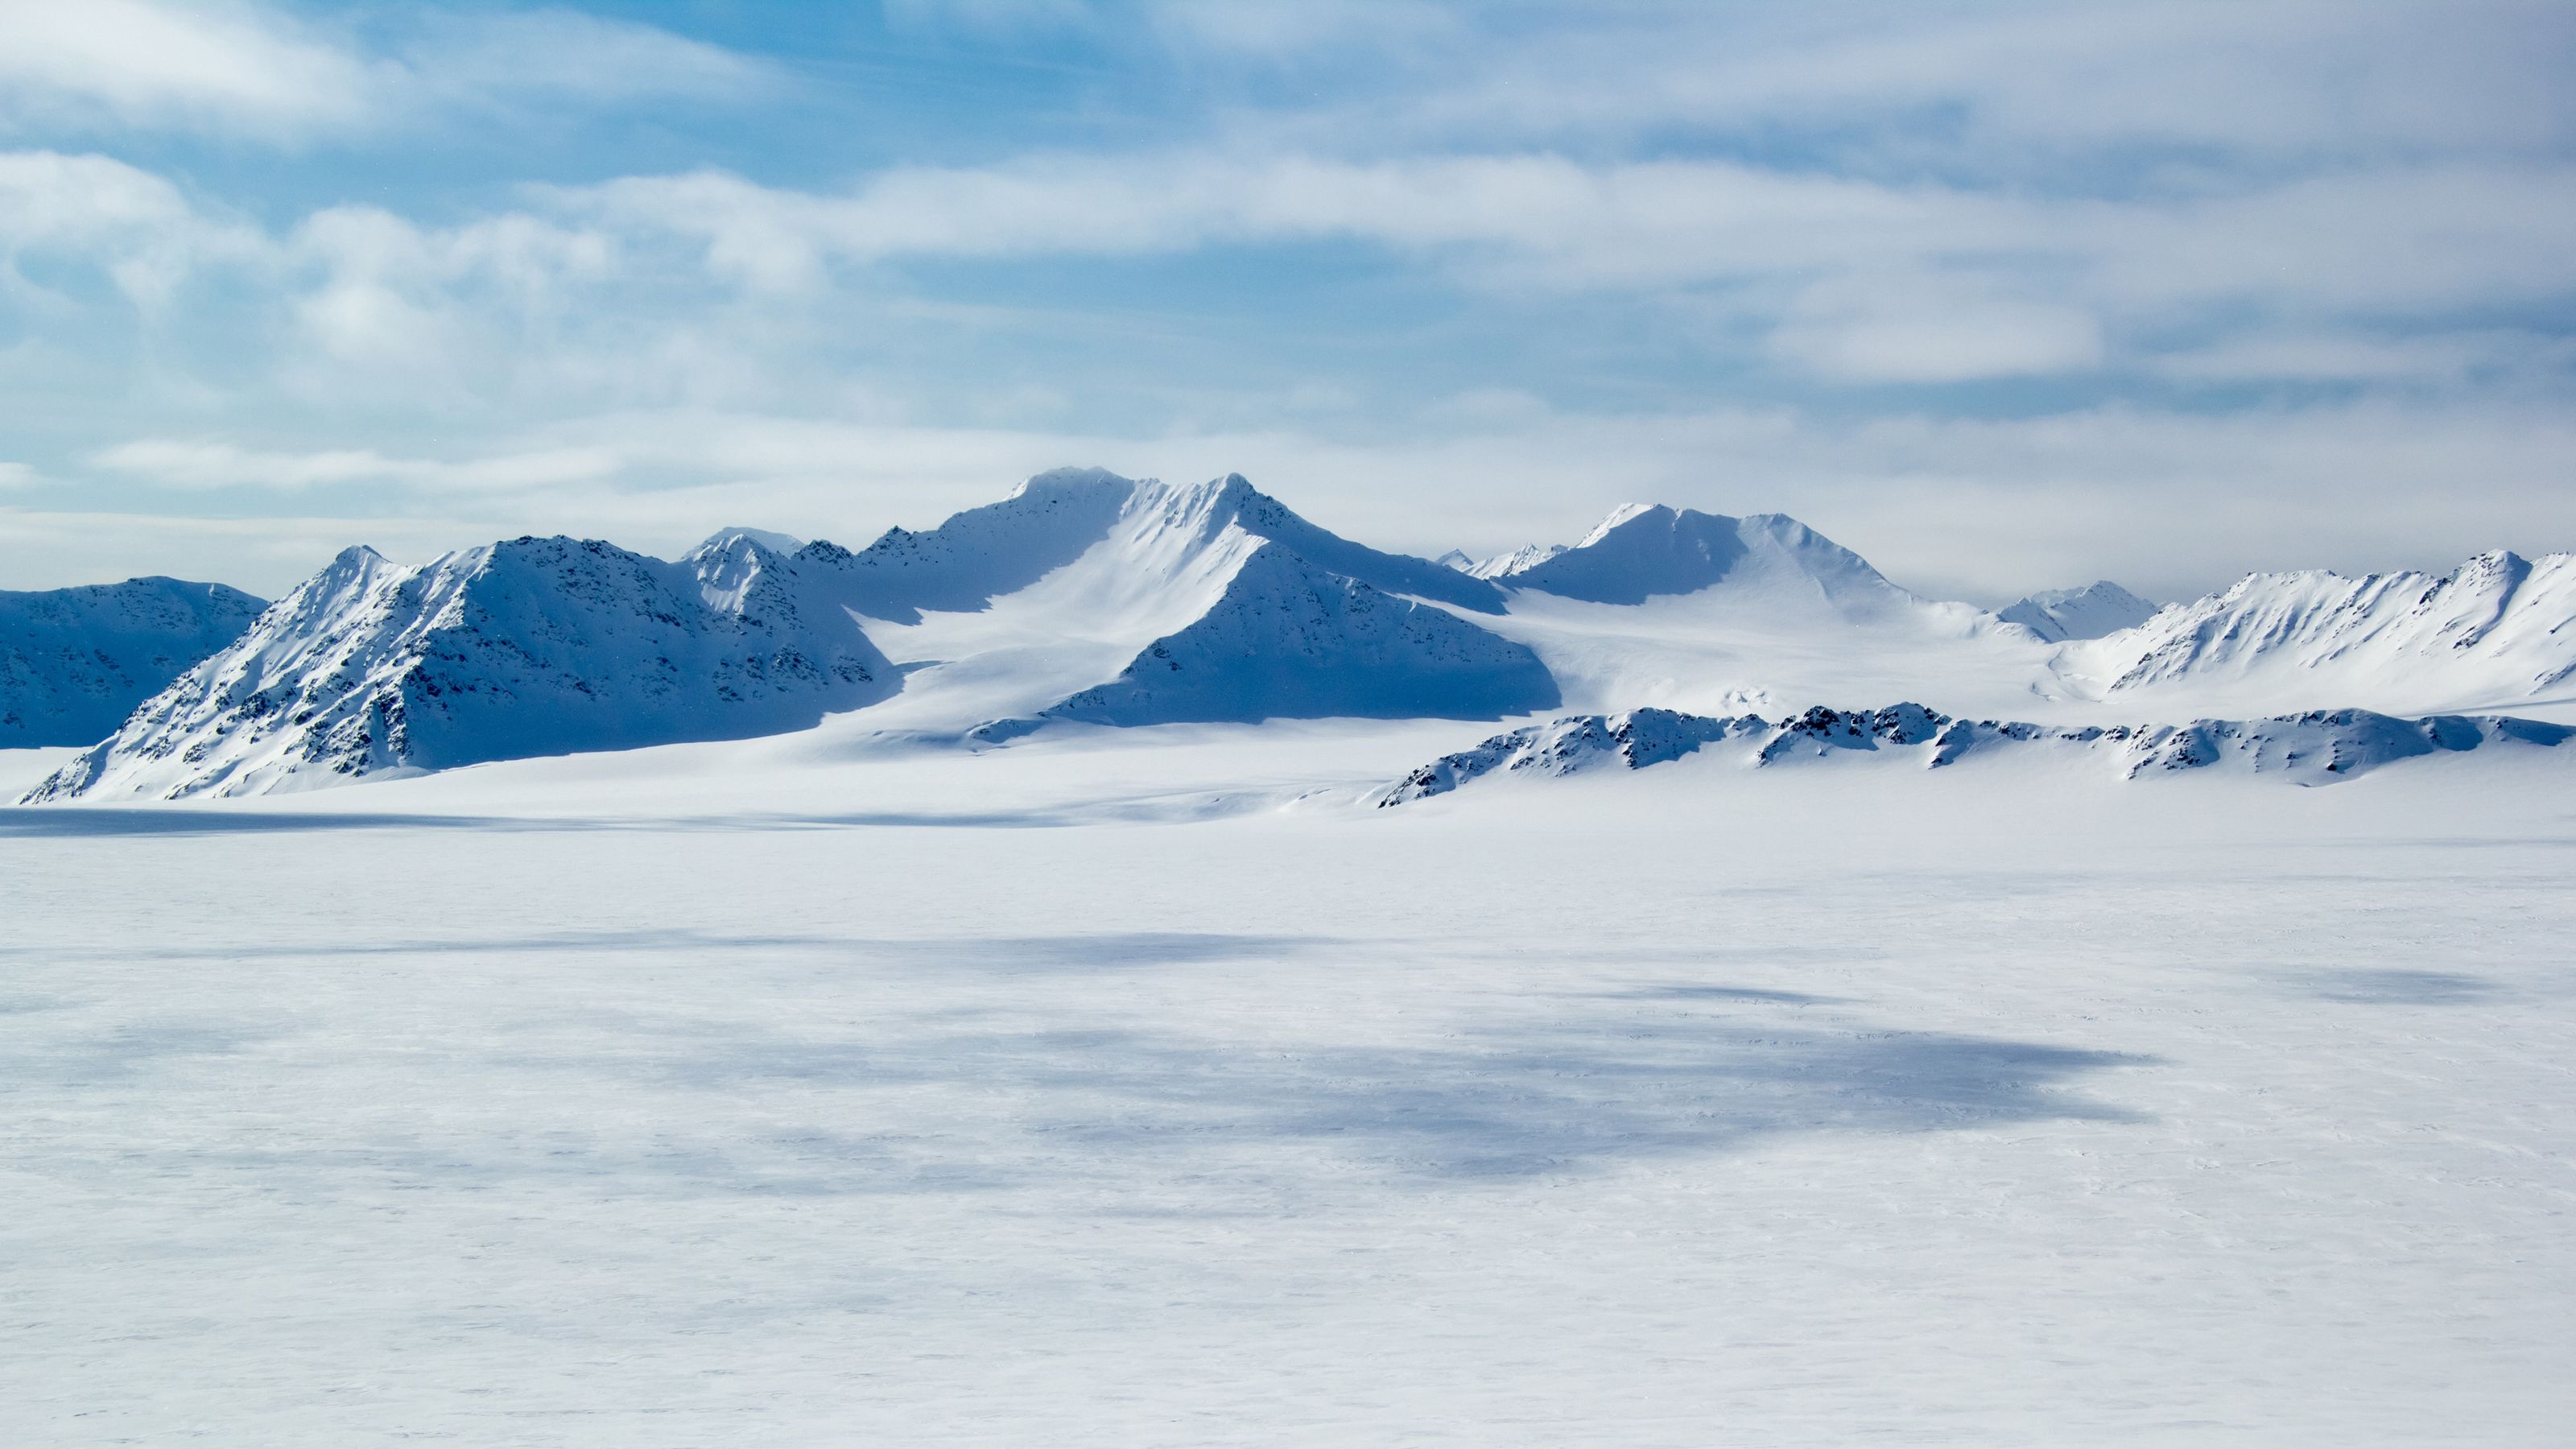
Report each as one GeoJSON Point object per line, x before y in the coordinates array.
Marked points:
{"type": "Point", "coordinates": [2497, 628]}
{"type": "Point", "coordinates": [1289, 639]}
{"type": "Point", "coordinates": [531, 647]}
{"type": "Point", "coordinates": [2319, 747]}
{"type": "Point", "coordinates": [75, 662]}
{"type": "Point", "coordinates": [1636, 739]}
{"type": "Point", "coordinates": [2058, 615]}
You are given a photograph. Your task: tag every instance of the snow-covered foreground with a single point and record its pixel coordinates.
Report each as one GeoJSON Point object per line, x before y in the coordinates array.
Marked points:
{"type": "Point", "coordinates": [710, 1096]}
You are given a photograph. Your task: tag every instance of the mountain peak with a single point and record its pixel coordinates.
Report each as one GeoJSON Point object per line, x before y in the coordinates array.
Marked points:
{"type": "Point", "coordinates": [1620, 517]}
{"type": "Point", "coordinates": [2090, 612]}
{"type": "Point", "coordinates": [778, 543]}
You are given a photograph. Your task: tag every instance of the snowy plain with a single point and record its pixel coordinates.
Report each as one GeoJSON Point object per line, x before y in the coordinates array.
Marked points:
{"type": "Point", "coordinates": [1143, 1087]}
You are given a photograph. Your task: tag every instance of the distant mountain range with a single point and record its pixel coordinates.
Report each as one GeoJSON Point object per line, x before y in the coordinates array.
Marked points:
{"type": "Point", "coordinates": [1085, 599]}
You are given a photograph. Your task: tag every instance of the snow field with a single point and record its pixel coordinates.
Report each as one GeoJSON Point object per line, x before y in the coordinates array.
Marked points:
{"type": "Point", "coordinates": [1680, 1107]}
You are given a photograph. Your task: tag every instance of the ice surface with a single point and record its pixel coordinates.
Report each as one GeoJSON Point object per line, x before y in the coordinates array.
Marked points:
{"type": "Point", "coordinates": [75, 662]}
{"type": "Point", "coordinates": [716, 1094]}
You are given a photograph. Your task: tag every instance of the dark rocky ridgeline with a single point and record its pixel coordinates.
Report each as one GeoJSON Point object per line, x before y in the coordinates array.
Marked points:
{"type": "Point", "coordinates": [2318, 747]}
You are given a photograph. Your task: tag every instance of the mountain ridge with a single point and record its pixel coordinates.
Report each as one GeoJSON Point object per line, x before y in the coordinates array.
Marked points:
{"type": "Point", "coordinates": [74, 663]}
{"type": "Point", "coordinates": [1088, 596]}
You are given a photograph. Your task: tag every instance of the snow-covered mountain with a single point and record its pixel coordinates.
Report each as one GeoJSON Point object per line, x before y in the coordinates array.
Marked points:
{"type": "Point", "coordinates": [530, 647]}
{"type": "Point", "coordinates": [2497, 630]}
{"type": "Point", "coordinates": [1701, 612]}
{"type": "Point", "coordinates": [2086, 613]}
{"type": "Point", "coordinates": [1061, 518]}
{"type": "Point", "coordinates": [775, 542]}
{"type": "Point", "coordinates": [2316, 748]}
{"type": "Point", "coordinates": [1643, 550]}
{"type": "Point", "coordinates": [1050, 605]}
{"type": "Point", "coordinates": [1289, 639]}
{"type": "Point", "coordinates": [75, 662]}
{"type": "Point", "coordinates": [1086, 597]}
{"type": "Point", "coordinates": [1526, 556]}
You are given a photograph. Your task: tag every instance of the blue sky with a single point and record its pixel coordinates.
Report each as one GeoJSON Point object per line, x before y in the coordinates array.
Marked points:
{"type": "Point", "coordinates": [2002, 296]}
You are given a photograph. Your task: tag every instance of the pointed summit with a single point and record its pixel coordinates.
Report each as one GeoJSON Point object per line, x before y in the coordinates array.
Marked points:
{"type": "Point", "coordinates": [2090, 612]}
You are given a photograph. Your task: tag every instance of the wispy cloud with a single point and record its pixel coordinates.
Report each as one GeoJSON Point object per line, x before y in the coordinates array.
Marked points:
{"type": "Point", "coordinates": [251, 70]}
{"type": "Point", "coordinates": [144, 64]}
{"type": "Point", "coordinates": [204, 464]}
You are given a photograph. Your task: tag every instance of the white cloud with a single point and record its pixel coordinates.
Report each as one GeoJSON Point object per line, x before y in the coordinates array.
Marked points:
{"type": "Point", "coordinates": [240, 68]}
{"type": "Point", "coordinates": [1900, 328]}
{"type": "Point", "coordinates": [146, 64]}
{"type": "Point", "coordinates": [583, 57]}
{"type": "Point", "coordinates": [1994, 88]}
{"type": "Point", "coordinates": [128, 224]}
{"type": "Point", "coordinates": [2386, 241]}
{"type": "Point", "coordinates": [213, 464]}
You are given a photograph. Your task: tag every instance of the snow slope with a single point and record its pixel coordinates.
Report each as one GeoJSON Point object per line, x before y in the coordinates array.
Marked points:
{"type": "Point", "coordinates": [2317, 748]}
{"type": "Point", "coordinates": [2086, 613]}
{"type": "Point", "coordinates": [1693, 611]}
{"type": "Point", "coordinates": [533, 646]}
{"type": "Point", "coordinates": [1006, 612]}
{"type": "Point", "coordinates": [1057, 519]}
{"type": "Point", "coordinates": [1290, 639]}
{"type": "Point", "coordinates": [75, 662]}
{"type": "Point", "coordinates": [2497, 631]}
{"type": "Point", "coordinates": [1643, 550]}
{"type": "Point", "coordinates": [1526, 556]}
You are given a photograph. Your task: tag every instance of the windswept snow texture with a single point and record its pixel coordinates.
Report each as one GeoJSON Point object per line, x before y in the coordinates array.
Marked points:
{"type": "Point", "coordinates": [2057, 615]}
{"type": "Point", "coordinates": [2499, 628]}
{"type": "Point", "coordinates": [1290, 640]}
{"type": "Point", "coordinates": [75, 662]}
{"type": "Point", "coordinates": [535, 646]}
{"type": "Point", "coordinates": [2315, 748]}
